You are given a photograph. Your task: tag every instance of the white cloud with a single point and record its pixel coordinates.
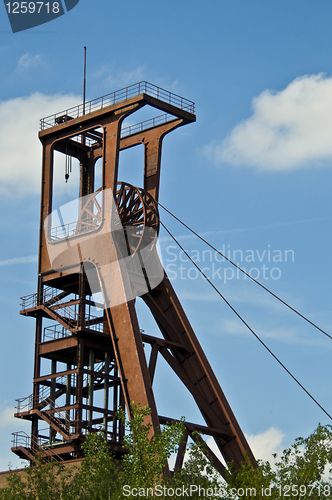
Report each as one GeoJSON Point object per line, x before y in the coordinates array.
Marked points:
{"type": "Point", "coordinates": [19, 260]}
{"type": "Point", "coordinates": [114, 79]}
{"type": "Point", "coordinates": [7, 419]}
{"type": "Point", "coordinates": [21, 152]}
{"type": "Point", "coordinates": [9, 424]}
{"type": "Point", "coordinates": [263, 445]}
{"type": "Point", "coordinates": [237, 328]}
{"type": "Point", "coordinates": [206, 234]}
{"type": "Point", "coordinates": [27, 61]}
{"type": "Point", "coordinates": [286, 334]}
{"type": "Point", "coordinates": [289, 129]}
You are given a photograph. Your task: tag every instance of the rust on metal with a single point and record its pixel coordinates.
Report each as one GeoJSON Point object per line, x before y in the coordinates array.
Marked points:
{"type": "Point", "coordinates": [89, 356]}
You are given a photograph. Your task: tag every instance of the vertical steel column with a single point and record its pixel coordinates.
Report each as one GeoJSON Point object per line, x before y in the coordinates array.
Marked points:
{"type": "Point", "coordinates": [116, 388]}
{"type": "Point", "coordinates": [36, 374]}
{"type": "Point", "coordinates": [123, 407]}
{"type": "Point", "coordinates": [52, 395]}
{"type": "Point", "coordinates": [106, 390]}
{"type": "Point", "coordinates": [81, 293]}
{"type": "Point", "coordinates": [91, 380]}
{"type": "Point", "coordinates": [79, 386]}
{"type": "Point", "coordinates": [68, 394]}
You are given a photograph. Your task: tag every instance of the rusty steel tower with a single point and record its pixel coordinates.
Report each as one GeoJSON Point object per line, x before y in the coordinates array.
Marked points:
{"type": "Point", "coordinates": [89, 356]}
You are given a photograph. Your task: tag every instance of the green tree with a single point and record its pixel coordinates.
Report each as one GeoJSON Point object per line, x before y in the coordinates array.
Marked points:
{"type": "Point", "coordinates": [102, 476]}
{"type": "Point", "coordinates": [42, 482]}
{"type": "Point", "coordinates": [303, 471]}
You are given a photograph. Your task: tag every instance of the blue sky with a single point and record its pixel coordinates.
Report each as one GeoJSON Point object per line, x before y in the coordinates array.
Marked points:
{"type": "Point", "coordinates": [253, 174]}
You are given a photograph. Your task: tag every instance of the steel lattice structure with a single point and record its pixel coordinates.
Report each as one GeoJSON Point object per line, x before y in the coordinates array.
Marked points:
{"type": "Point", "coordinates": [90, 360]}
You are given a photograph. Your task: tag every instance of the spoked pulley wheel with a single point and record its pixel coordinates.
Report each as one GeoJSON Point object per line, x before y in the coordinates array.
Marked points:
{"type": "Point", "coordinates": [138, 214]}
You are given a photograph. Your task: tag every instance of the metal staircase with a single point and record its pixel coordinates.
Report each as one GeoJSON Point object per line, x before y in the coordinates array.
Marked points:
{"type": "Point", "coordinates": [50, 302]}
{"type": "Point", "coordinates": [27, 448]}
{"type": "Point", "coordinates": [58, 419]}
{"type": "Point", "coordinates": [67, 421]}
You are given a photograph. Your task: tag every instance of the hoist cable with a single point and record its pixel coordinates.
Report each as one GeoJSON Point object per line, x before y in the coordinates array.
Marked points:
{"type": "Point", "coordinates": [246, 274]}
{"type": "Point", "coordinates": [245, 323]}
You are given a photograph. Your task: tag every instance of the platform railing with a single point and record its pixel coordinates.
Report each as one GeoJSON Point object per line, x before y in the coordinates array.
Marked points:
{"type": "Point", "coordinates": [92, 324]}
{"type": "Point", "coordinates": [47, 295]}
{"type": "Point", "coordinates": [151, 122]}
{"type": "Point", "coordinates": [27, 403]}
{"type": "Point", "coordinates": [131, 129]}
{"type": "Point", "coordinates": [63, 231]}
{"type": "Point", "coordinates": [23, 439]}
{"type": "Point", "coordinates": [56, 331]}
{"type": "Point", "coordinates": [34, 299]}
{"type": "Point", "coordinates": [24, 404]}
{"type": "Point", "coordinates": [115, 97]}
{"type": "Point", "coordinates": [72, 229]}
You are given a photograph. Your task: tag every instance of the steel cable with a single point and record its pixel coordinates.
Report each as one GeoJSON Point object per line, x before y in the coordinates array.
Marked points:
{"type": "Point", "coordinates": [246, 274]}
{"type": "Point", "coordinates": [243, 321]}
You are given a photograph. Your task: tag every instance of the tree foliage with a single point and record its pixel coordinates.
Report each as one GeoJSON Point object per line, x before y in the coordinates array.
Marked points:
{"type": "Point", "coordinates": [303, 471]}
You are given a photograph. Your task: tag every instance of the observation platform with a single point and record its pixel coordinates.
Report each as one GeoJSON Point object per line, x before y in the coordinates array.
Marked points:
{"type": "Point", "coordinates": [174, 105]}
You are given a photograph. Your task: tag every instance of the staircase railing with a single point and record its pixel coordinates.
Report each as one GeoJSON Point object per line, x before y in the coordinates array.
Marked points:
{"type": "Point", "coordinates": [57, 331]}
{"type": "Point", "coordinates": [26, 441]}
{"type": "Point", "coordinates": [34, 299]}
{"type": "Point", "coordinates": [60, 417]}
{"type": "Point", "coordinates": [50, 297]}
{"type": "Point", "coordinates": [26, 404]}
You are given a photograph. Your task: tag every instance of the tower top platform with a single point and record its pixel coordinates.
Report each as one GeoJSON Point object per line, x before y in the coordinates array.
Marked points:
{"type": "Point", "coordinates": [157, 97]}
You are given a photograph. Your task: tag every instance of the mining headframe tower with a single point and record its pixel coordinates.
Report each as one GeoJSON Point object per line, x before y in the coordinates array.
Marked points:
{"type": "Point", "coordinates": [89, 356]}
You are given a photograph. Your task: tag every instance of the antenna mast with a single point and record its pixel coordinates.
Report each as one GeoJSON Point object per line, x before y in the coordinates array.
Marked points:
{"type": "Point", "coordinates": [84, 80]}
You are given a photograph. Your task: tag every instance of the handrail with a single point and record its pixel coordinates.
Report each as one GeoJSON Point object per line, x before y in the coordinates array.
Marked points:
{"type": "Point", "coordinates": [132, 129]}
{"type": "Point", "coordinates": [55, 332]}
{"type": "Point", "coordinates": [43, 397]}
{"type": "Point", "coordinates": [23, 439]}
{"type": "Point", "coordinates": [49, 293]}
{"type": "Point", "coordinates": [58, 331]}
{"type": "Point", "coordinates": [27, 403]}
{"type": "Point", "coordinates": [24, 404]}
{"type": "Point", "coordinates": [92, 325]}
{"type": "Point", "coordinates": [71, 229]}
{"type": "Point", "coordinates": [60, 415]}
{"type": "Point", "coordinates": [33, 299]}
{"type": "Point", "coordinates": [66, 312]}
{"type": "Point", "coordinates": [115, 97]}
{"type": "Point", "coordinates": [151, 122]}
